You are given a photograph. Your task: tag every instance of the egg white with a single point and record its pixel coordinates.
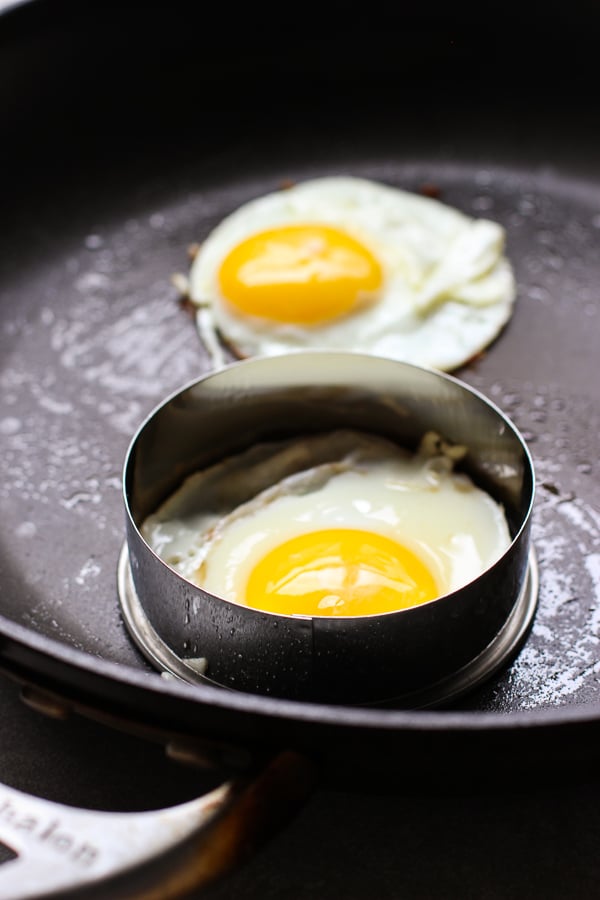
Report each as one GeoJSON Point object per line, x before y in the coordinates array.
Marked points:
{"type": "Point", "coordinates": [417, 500]}
{"type": "Point", "coordinates": [448, 287]}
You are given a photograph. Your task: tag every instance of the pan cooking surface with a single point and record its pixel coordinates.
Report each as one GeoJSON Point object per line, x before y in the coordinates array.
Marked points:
{"type": "Point", "coordinates": [93, 336]}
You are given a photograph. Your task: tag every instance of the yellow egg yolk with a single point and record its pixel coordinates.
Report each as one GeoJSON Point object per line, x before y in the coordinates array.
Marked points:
{"type": "Point", "coordinates": [339, 572]}
{"type": "Point", "coordinates": [299, 274]}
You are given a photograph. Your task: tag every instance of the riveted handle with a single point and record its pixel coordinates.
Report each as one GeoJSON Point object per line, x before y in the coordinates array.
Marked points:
{"type": "Point", "coordinates": [63, 851]}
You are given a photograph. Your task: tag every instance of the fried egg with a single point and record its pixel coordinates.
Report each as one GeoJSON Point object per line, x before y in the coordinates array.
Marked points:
{"type": "Point", "coordinates": [341, 524]}
{"type": "Point", "coordinates": [347, 263]}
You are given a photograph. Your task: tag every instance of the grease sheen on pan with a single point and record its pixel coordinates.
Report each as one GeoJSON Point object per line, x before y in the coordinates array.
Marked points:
{"type": "Point", "coordinates": [338, 524]}
{"type": "Point", "coordinates": [347, 263]}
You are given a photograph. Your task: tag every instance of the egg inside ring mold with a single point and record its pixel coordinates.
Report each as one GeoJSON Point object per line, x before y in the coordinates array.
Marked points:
{"type": "Point", "coordinates": [340, 523]}
{"type": "Point", "coordinates": [357, 552]}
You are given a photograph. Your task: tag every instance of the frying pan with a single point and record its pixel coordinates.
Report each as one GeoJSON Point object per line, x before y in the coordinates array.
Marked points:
{"type": "Point", "coordinates": [127, 133]}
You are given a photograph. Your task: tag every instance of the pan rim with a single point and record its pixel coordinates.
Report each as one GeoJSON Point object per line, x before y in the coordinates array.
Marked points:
{"type": "Point", "coordinates": [281, 710]}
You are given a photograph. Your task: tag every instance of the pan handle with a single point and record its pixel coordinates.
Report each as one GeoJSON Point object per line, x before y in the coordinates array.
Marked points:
{"type": "Point", "coordinates": [62, 851]}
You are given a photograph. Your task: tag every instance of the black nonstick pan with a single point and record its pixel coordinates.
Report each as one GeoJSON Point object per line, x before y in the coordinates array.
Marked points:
{"type": "Point", "coordinates": [128, 132]}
